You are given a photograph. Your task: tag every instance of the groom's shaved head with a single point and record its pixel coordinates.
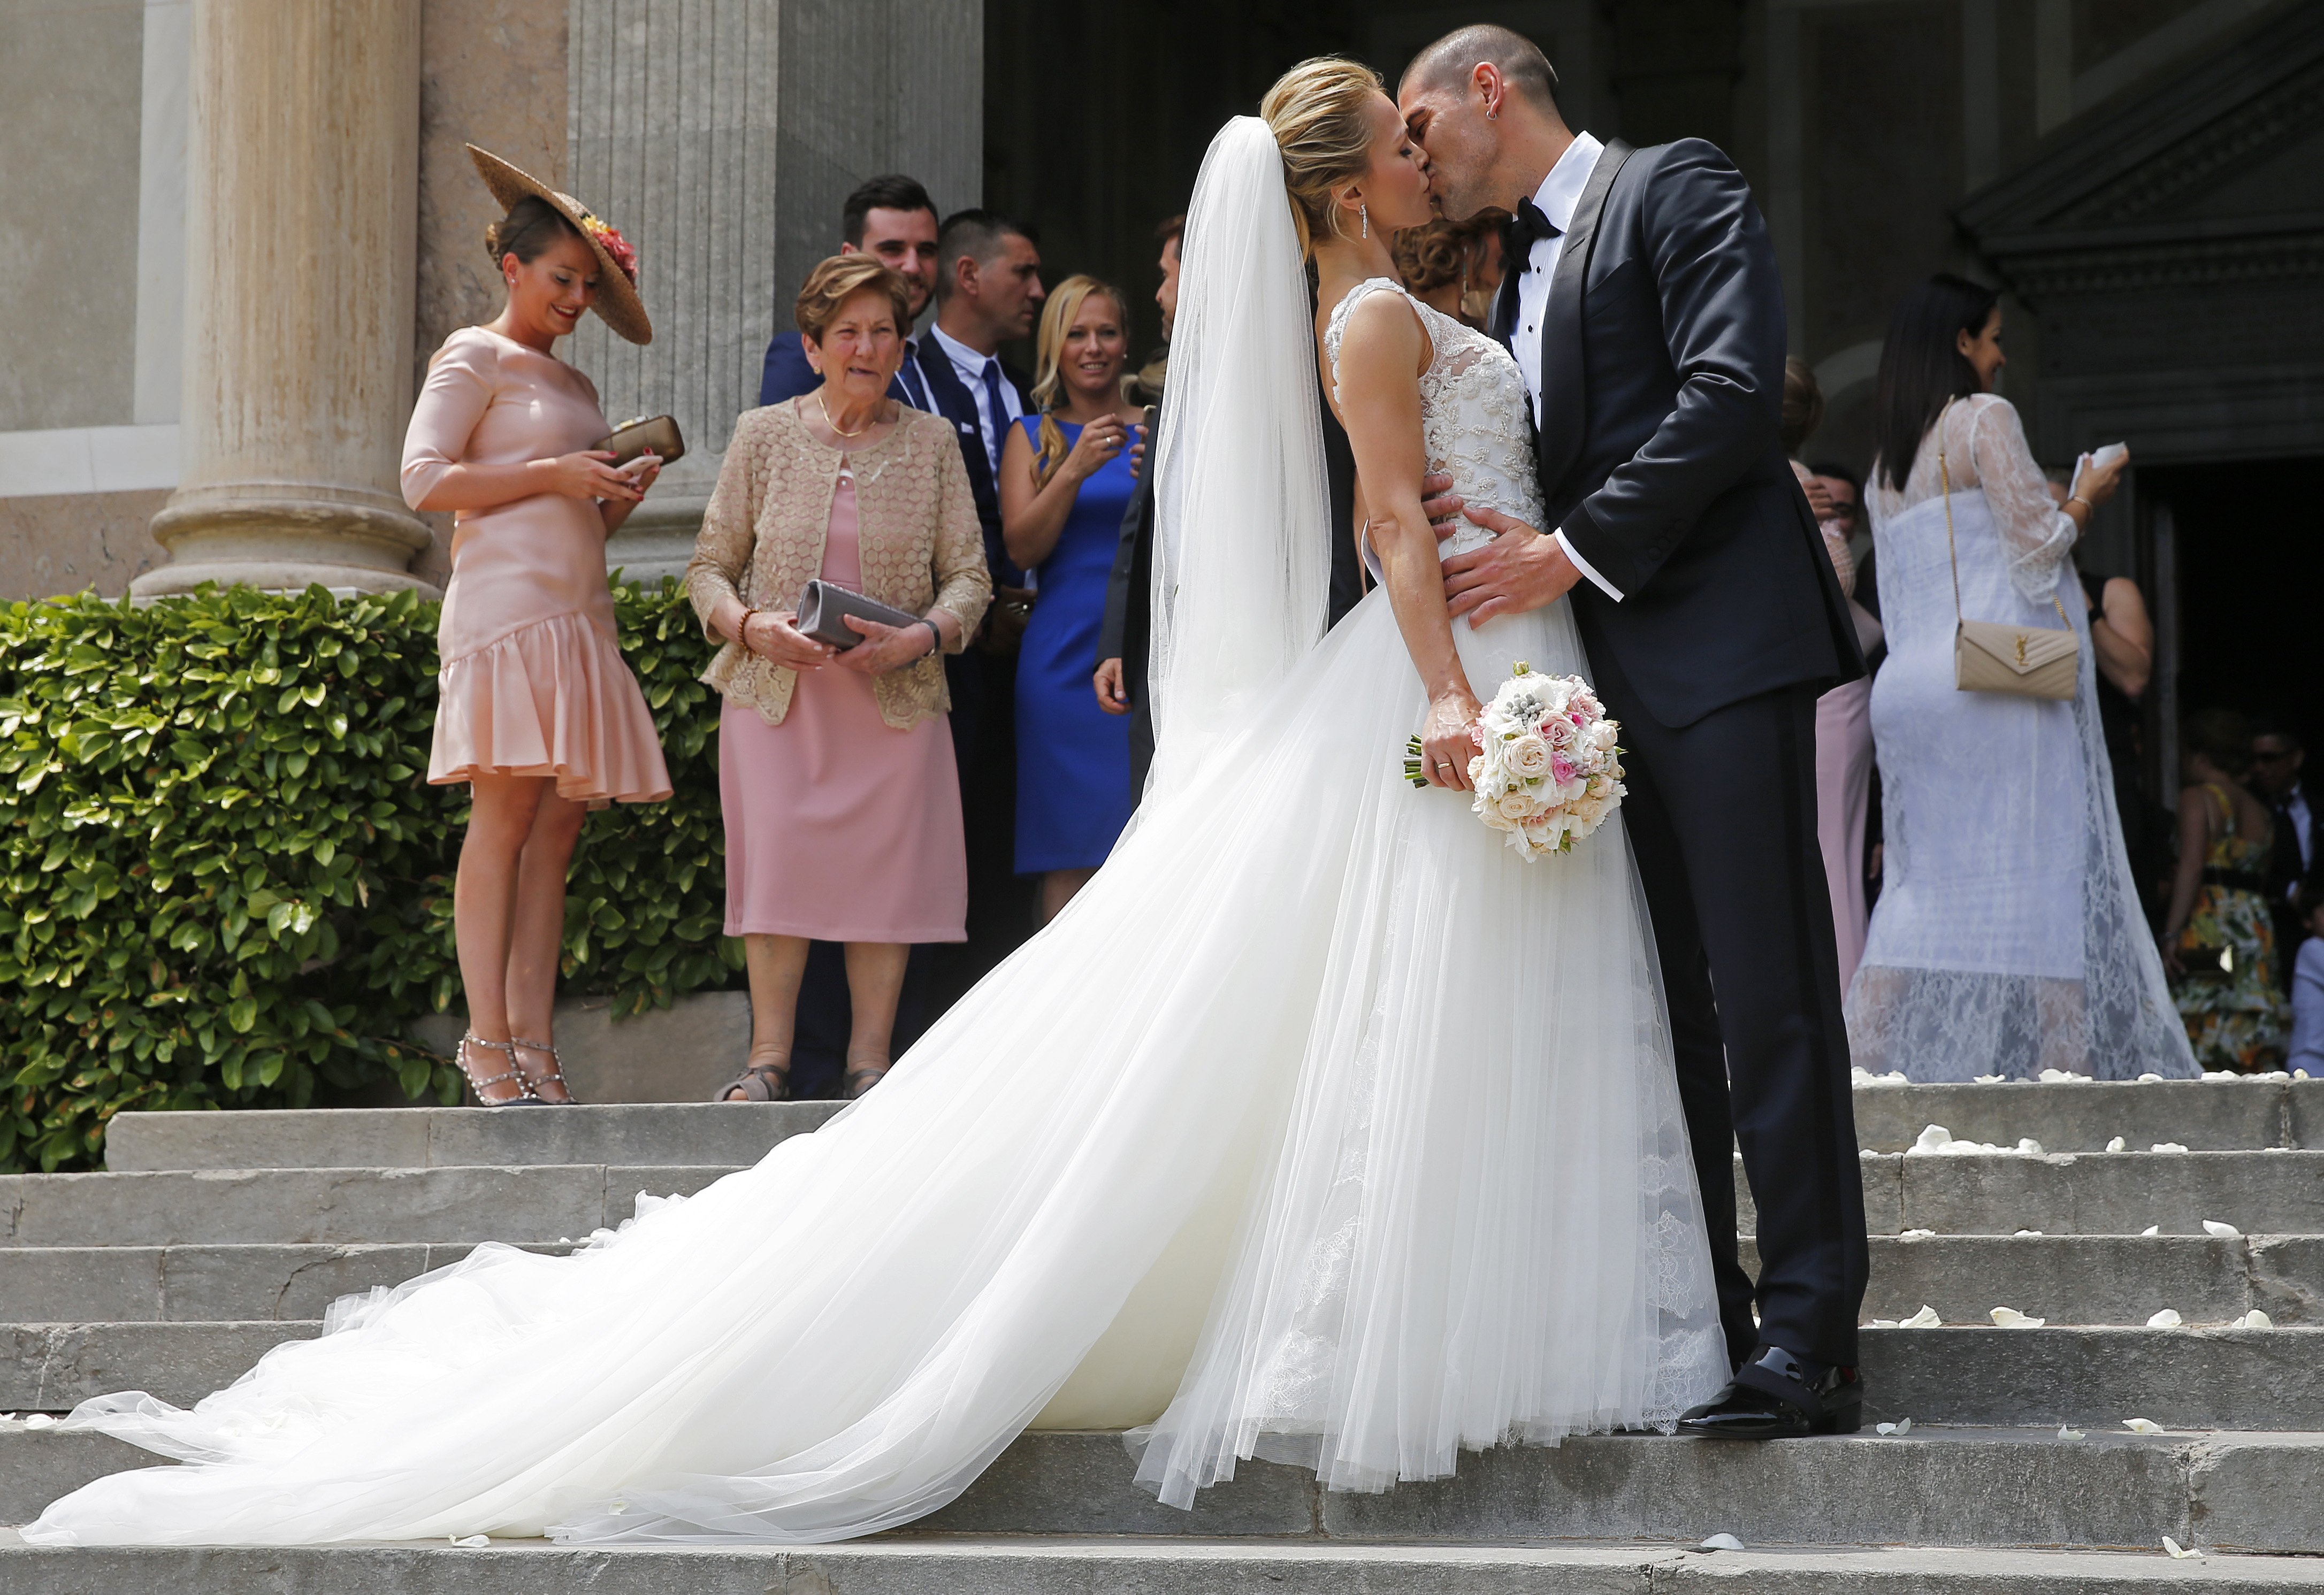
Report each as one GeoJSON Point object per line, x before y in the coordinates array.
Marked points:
{"type": "Point", "coordinates": [1452, 58]}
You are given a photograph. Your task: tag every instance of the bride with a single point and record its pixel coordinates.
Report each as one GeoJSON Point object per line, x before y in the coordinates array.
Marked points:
{"type": "Point", "coordinates": [1321, 1127]}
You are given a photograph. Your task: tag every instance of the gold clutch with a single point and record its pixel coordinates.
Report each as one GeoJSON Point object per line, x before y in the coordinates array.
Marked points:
{"type": "Point", "coordinates": [2020, 661]}
{"type": "Point", "coordinates": [656, 435]}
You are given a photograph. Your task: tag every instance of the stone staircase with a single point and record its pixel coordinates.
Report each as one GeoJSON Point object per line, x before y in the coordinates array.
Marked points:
{"type": "Point", "coordinates": [212, 1237]}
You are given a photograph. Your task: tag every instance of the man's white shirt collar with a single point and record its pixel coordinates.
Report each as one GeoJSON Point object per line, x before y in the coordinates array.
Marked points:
{"type": "Point", "coordinates": [1561, 190]}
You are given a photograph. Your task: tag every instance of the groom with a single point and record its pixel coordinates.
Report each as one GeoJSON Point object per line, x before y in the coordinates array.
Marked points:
{"type": "Point", "coordinates": [1644, 308]}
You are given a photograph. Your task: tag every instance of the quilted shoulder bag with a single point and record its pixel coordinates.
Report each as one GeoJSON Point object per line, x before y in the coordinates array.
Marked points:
{"type": "Point", "coordinates": [2022, 661]}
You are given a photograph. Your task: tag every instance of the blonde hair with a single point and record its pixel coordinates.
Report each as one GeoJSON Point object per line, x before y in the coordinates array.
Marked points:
{"type": "Point", "coordinates": [1316, 113]}
{"type": "Point", "coordinates": [1057, 316]}
{"type": "Point", "coordinates": [839, 278]}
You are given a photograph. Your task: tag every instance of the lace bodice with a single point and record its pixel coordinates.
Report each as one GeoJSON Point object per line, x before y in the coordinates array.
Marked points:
{"type": "Point", "coordinates": [1473, 414]}
{"type": "Point", "coordinates": [1984, 447]}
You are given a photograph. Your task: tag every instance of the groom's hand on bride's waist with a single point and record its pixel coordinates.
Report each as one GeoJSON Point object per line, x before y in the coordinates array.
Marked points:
{"type": "Point", "coordinates": [1519, 570]}
{"type": "Point", "coordinates": [1440, 504]}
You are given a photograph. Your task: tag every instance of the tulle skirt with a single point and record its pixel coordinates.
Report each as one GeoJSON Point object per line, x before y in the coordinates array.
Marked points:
{"type": "Point", "coordinates": [552, 698]}
{"type": "Point", "coordinates": [1319, 1125]}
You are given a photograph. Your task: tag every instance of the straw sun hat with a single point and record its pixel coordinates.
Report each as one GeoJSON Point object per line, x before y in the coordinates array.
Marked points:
{"type": "Point", "coordinates": [617, 284]}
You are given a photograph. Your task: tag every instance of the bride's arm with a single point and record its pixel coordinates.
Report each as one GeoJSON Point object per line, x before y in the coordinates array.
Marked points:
{"type": "Point", "coordinates": [1382, 352]}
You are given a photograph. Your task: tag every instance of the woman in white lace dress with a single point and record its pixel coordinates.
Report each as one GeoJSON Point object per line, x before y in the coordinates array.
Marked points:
{"type": "Point", "coordinates": [1319, 1125]}
{"type": "Point", "coordinates": [2008, 939]}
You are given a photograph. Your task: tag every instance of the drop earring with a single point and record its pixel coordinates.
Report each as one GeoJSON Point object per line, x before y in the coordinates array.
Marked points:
{"type": "Point", "coordinates": [1364, 211]}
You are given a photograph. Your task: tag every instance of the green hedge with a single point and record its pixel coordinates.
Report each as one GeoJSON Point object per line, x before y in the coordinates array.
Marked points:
{"type": "Point", "coordinates": [228, 883]}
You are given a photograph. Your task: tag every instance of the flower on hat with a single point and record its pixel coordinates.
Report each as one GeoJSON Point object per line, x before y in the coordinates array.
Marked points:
{"type": "Point", "coordinates": [610, 240]}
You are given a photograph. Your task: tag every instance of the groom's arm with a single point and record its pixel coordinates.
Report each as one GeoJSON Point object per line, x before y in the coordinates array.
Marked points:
{"type": "Point", "coordinates": [1722, 313]}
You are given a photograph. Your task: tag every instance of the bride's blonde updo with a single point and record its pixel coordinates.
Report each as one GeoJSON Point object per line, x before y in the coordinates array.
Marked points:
{"type": "Point", "coordinates": [1316, 113]}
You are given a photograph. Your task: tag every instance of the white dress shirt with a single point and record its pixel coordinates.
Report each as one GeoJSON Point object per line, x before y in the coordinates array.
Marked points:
{"type": "Point", "coordinates": [971, 366]}
{"type": "Point", "coordinates": [1559, 194]}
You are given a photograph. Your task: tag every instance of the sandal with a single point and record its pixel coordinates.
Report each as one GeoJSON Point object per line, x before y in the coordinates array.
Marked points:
{"type": "Point", "coordinates": [858, 1082]}
{"type": "Point", "coordinates": [555, 1075]}
{"type": "Point", "coordinates": [477, 1085]}
{"type": "Point", "coordinates": [758, 1083]}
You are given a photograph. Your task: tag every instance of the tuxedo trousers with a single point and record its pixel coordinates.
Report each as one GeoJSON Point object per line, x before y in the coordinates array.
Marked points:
{"type": "Point", "coordinates": [1721, 815]}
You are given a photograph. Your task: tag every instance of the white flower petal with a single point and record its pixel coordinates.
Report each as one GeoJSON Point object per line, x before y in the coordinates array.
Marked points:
{"type": "Point", "coordinates": [472, 1542]}
{"type": "Point", "coordinates": [1926, 1318]}
{"type": "Point", "coordinates": [2254, 1319]}
{"type": "Point", "coordinates": [2142, 1425]}
{"type": "Point", "coordinates": [2151, 1229]}
{"type": "Point", "coordinates": [2117, 1145]}
{"type": "Point", "coordinates": [2145, 1077]}
{"type": "Point", "coordinates": [1991, 1079]}
{"type": "Point", "coordinates": [1882, 1324]}
{"type": "Point", "coordinates": [2166, 1147]}
{"type": "Point", "coordinates": [1883, 1428]}
{"type": "Point", "coordinates": [2028, 1146]}
{"type": "Point", "coordinates": [1935, 1138]}
{"type": "Point", "coordinates": [39, 1420]}
{"type": "Point", "coordinates": [2011, 1318]}
{"type": "Point", "coordinates": [2063, 1077]}
{"type": "Point", "coordinates": [1918, 1235]}
{"type": "Point", "coordinates": [2166, 1319]}
{"type": "Point", "coordinates": [2066, 1434]}
{"type": "Point", "coordinates": [1722, 1542]}
{"type": "Point", "coordinates": [2028, 1234]}
{"type": "Point", "coordinates": [2177, 1550]}
{"type": "Point", "coordinates": [2220, 1231]}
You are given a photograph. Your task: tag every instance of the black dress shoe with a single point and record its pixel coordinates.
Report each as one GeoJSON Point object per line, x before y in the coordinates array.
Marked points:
{"type": "Point", "coordinates": [1776, 1395]}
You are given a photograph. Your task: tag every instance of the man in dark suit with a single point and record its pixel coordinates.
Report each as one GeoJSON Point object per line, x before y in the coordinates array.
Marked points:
{"type": "Point", "coordinates": [989, 292]}
{"type": "Point", "coordinates": [1123, 635]}
{"type": "Point", "coordinates": [2277, 776]}
{"type": "Point", "coordinates": [1642, 306]}
{"type": "Point", "coordinates": [892, 218]}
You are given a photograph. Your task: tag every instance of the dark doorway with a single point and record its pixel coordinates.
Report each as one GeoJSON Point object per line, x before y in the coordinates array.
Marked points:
{"type": "Point", "coordinates": [2250, 563]}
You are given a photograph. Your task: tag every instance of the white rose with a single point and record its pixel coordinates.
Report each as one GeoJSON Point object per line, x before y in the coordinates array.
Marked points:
{"type": "Point", "coordinates": [1603, 736]}
{"type": "Point", "coordinates": [1516, 806]}
{"type": "Point", "coordinates": [1527, 756]}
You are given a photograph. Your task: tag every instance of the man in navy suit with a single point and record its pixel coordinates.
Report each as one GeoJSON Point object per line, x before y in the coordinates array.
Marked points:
{"type": "Point", "coordinates": [989, 292]}
{"type": "Point", "coordinates": [892, 218]}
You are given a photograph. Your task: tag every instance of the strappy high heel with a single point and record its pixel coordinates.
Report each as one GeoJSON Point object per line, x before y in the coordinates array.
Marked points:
{"type": "Point", "coordinates": [555, 1076]}
{"type": "Point", "coordinates": [477, 1085]}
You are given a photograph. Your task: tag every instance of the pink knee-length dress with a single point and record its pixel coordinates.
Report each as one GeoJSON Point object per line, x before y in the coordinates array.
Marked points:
{"type": "Point", "coordinates": [839, 826]}
{"type": "Point", "coordinates": [531, 679]}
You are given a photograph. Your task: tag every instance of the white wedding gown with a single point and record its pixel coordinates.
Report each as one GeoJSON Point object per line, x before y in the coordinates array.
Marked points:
{"type": "Point", "coordinates": [1320, 1126]}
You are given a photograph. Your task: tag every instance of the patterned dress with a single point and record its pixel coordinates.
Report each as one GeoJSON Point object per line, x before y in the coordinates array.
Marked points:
{"type": "Point", "coordinates": [2226, 992]}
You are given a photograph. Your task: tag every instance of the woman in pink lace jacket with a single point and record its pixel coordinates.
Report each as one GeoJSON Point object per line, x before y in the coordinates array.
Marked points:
{"type": "Point", "coordinates": [835, 769]}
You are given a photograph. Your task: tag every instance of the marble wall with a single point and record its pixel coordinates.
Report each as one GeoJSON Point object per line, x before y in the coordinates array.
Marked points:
{"type": "Point", "coordinates": [71, 80]}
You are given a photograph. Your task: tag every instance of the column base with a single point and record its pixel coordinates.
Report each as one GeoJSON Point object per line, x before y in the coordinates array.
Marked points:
{"type": "Point", "coordinates": [346, 540]}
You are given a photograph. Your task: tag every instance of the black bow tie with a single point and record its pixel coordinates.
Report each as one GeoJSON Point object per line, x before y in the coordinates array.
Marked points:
{"type": "Point", "coordinates": [1528, 227]}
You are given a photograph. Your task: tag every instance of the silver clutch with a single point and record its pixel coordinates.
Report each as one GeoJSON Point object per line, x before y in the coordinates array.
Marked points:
{"type": "Point", "coordinates": [824, 606]}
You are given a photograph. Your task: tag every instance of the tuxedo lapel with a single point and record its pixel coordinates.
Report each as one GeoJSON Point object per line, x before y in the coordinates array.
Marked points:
{"type": "Point", "coordinates": [1563, 391]}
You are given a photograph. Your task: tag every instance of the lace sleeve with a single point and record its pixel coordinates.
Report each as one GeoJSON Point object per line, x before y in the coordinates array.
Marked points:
{"type": "Point", "coordinates": [2036, 535]}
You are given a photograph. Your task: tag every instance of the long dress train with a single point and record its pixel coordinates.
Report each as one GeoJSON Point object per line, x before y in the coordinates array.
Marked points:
{"type": "Point", "coordinates": [1319, 1119]}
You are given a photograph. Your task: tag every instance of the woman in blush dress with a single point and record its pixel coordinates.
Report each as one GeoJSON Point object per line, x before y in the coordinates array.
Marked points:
{"type": "Point", "coordinates": [537, 712]}
{"type": "Point", "coordinates": [1066, 476]}
{"type": "Point", "coordinates": [835, 770]}
{"type": "Point", "coordinates": [2008, 938]}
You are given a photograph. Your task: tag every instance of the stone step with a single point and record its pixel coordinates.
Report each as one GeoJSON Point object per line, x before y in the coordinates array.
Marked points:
{"type": "Point", "coordinates": [2270, 1192]}
{"type": "Point", "coordinates": [677, 1134]}
{"type": "Point", "coordinates": [1934, 1487]}
{"type": "Point", "coordinates": [2077, 1279]}
{"type": "Point", "coordinates": [330, 1206]}
{"type": "Point", "coordinates": [2092, 1378]}
{"type": "Point", "coordinates": [2273, 1192]}
{"type": "Point", "coordinates": [2206, 1115]}
{"type": "Point", "coordinates": [1009, 1565]}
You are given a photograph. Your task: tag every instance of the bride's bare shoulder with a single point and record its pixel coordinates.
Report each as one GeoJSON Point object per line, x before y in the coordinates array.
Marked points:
{"type": "Point", "coordinates": [1381, 337]}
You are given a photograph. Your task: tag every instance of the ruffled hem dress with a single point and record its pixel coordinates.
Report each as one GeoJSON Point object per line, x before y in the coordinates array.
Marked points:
{"type": "Point", "coordinates": [531, 680]}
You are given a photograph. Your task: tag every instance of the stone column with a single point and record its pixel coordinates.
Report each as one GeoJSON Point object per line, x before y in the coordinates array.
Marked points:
{"type": "Point", "coordinates": [301, 199]}
{"type": "Point", "coordinates": [721, 136]}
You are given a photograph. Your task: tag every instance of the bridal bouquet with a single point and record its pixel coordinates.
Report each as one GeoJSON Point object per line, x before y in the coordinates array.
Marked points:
{"type": "Point", "coordinates": [1547, 771]}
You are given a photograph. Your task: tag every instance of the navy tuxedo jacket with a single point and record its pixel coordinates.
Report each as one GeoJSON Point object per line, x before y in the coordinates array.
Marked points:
{"type": "Point", "coordinates": [954, 404]}
{"type": "Point", "coordinates": [1662, 382]}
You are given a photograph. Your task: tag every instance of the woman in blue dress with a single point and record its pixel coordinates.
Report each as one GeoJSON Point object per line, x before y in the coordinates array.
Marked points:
{"type": "Point", "coordinates": [1067, 475]}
